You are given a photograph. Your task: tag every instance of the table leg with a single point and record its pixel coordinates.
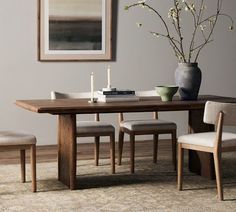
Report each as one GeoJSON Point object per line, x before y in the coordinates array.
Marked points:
{"type": "Point", "coordinates": [200, 163]}
{"type": "Point", "coordinates": [67, 150]}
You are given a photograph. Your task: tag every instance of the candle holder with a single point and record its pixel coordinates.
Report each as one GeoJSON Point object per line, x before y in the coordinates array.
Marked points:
{"type": "Point", "coordinates": [109, 88]}
{"type": "Point", "coordinates": [93, 100]}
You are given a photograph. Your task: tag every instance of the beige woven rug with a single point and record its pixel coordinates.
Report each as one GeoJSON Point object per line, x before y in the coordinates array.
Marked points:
{"type": "Point", "coordinates": [151, 188]}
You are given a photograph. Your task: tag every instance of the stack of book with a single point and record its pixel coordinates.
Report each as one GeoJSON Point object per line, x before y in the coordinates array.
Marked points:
{"type": "Point", "coordinates": [117, 96]}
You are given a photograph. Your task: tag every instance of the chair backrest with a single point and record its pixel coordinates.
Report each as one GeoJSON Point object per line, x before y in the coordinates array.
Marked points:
{"type": "Point", "coordinates": [59, 95]}
{"type": "Point", "coordinates": [212, 110]}
{"type": "Point", "coordinates": [78, 95]}
{"type": "Point", "coordinates": [148, 93]}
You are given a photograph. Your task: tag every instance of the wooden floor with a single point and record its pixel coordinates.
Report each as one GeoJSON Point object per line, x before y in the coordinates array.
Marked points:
{"type": "Point", "coordinates": [85, 151]}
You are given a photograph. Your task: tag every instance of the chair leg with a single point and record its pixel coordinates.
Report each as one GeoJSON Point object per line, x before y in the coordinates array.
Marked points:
{"type": "Point", "coordinates": [22, 162]}
{"type": "Point", "coordinates": [174, 144]}
{"type": "Point", "coordinates": [217, 161]}
{"type": "Point", "coordinates": [112, 152]}
{"type": "Point", "coordinates": [96, 150]}
{"type": "Point", "coordinates": [33, 166]}
{"type": "Point", "coordinates": [132, 150]}
{"type": "Point", "coordinates": [180, 166]}
{"type": "Point", "coordinates": [155, 147]}
{"type": "Point", "coordinates": [120, 146]}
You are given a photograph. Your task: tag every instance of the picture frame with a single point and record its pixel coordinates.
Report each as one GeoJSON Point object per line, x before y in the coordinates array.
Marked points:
{"type": "Point", "coordinates": [74, 30]}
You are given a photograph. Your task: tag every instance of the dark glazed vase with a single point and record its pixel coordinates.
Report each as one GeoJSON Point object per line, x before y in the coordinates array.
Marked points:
{"type": "Point", "coordinates": [188, 77]}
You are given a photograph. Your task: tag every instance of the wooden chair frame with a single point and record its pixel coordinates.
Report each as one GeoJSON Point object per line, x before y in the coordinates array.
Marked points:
{"type": "Point", "coordinates": [133, 133]}
{"type": "Point", "coordinates": [216, 151]}
{"type": "Point", "coordinates": [23, 148]}
{"type": "Point", "coordinates": [95, 135]}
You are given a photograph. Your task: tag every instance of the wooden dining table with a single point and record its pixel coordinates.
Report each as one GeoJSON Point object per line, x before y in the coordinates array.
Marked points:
{"type": "Point", "coordinates": [66, 109]}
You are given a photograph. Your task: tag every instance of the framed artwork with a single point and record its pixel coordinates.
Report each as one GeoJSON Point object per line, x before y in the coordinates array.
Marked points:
{"type": "Point", "coordinates": [71, 30]}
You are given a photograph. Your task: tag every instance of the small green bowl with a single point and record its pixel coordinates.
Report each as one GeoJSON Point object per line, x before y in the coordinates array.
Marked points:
{"type": "Point", "coordinates": [166, 92]}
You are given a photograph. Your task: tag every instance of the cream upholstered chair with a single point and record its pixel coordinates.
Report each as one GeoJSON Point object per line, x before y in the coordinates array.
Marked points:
{"type": "Point", "coordinates": [94, 128]}
{"type": "Point", "coordinates": [217, 142]}
{"type": "Point", "coordinates": [10, 140]}
{"type": "Point", "coordinates": [153, 127]}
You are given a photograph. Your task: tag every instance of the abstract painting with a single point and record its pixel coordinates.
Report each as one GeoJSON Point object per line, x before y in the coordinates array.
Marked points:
{"type": "Point", "coordinates": [74, 30]}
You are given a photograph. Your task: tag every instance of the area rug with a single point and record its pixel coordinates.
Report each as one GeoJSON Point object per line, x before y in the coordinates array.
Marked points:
{"type": "Point", "coordinates": [151, 188]}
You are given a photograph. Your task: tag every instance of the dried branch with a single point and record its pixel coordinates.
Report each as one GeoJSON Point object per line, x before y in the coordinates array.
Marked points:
{"type": "Point", "coordinates": [157, 34]}
{"type": "Point", "coordinates": [171, 38]}
{"type": "Point", "coordinates": [179, 29]}
{"type": "Point", "coordinates": [201, 45]}
{"type": "Point", "coordinates": [199, 23]}
{"type": "Point", "coordinates": [195, 31]}
{"type": "Point", "coordinates": [211, 31]}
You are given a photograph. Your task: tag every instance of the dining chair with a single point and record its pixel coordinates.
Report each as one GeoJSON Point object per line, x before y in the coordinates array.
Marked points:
{"type": "Point", "coordinates": [153, 127]}
{"type": "Point", "coordinates": [10, 140]}
{"type": "Point", "coordinates": [94, 128]}
{"type": "Point", "coordinates": [219, 114]}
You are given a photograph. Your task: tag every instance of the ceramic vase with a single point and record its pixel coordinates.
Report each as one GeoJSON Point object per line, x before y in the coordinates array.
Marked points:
{"type": "Point", "coordinates": [188, 77]}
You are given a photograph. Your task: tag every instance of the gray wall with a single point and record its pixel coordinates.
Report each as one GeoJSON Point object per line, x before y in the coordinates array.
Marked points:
{"type": "Point", "coordinates": [142, 62]}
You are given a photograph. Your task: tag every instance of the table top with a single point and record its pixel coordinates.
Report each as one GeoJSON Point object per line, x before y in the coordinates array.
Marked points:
{"type": "Point", "coordinates": [146, 104]}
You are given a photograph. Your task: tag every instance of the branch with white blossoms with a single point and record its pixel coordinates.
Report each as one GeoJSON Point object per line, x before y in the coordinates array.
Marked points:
{"type": "Point", "coordinates": [172, 41]}
{"type": "Point", "coordinates": [201, 25]}
{"type": "Point", "coordinates": [162, 35]}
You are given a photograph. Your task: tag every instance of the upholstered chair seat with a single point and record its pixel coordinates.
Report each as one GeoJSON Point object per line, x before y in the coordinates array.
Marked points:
{"type": "Point", "coordinates": [208, 139]}
{"type": "Point", "coordinates": [84, 127]}
{"type": "Point", "coordinates": [148, 124]}
{"type": "Point", "coordinates": [10, 140]}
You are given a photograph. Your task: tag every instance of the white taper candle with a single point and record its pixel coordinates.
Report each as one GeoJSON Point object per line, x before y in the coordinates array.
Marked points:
{"type": "Point", "coordinates": [108, 76]}
{"type": "Point", "coordinates": [92, 86]}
